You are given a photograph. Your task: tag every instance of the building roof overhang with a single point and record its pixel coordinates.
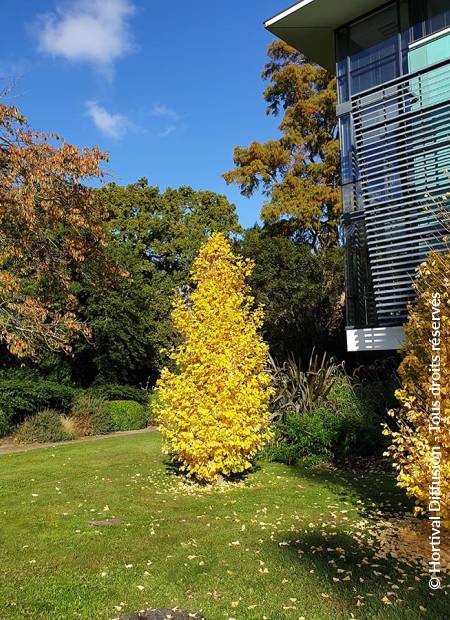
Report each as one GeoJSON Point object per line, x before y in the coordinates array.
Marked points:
{"type": "Point", "coordinates": [309, 25]}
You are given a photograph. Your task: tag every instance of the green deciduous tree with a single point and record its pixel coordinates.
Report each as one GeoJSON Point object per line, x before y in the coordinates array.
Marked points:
{"type": "Point", "coordinates": [301, 291]}
{"type": "Point", "coordinates": [154, 236]}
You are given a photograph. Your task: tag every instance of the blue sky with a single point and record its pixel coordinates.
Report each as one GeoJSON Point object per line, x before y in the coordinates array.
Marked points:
{"type": "Point", "coordinates": [167, 87]}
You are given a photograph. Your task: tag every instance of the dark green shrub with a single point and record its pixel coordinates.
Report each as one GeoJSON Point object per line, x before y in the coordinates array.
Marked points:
{"type": "Point", "coordinates": [112, 391]}
{"type": "Point", "coordinates": [50, 367]}
{"type": "Point", "coordinates": [43, 427]}
{"type": "Point", "coordinates": [340, 427]}
{"type": "Point", "coordinates": [101, 423]}
{"type": "Point", "coordinates": [379, 395]}
{"type": "Point", "coordinates": [20, 373]}
{"type": "Point", "coordinates": [5, 424]}
{"type": "Point", "coordinates": [280, 450]}
{"type": "Point", "coordinates": [301, 436]}
{"type": "Point", "coordinates": [20, 399]}
{"type": "Point", "coordinates": [127, 415]}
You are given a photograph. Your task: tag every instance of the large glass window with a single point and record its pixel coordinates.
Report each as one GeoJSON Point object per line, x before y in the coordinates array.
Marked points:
{"type": "Point", "coordinates": [368, 50]}
{"type": "Point", "coordinates": [428, 17]}
{"type": "Point", "coordinates": [342, 81]}
{"type": "Point", "coordinates": [374, 49]}
{"type": "Point", "coordinates": [417, 19]}
{"type": "Point", "coordinates": [438, 15]}
{"type": "Point", "coordinates": [342, 72]}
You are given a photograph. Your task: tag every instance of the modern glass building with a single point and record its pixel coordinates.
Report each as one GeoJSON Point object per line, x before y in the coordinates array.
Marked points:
{"type": "Point", "coordinates": [392, 63]}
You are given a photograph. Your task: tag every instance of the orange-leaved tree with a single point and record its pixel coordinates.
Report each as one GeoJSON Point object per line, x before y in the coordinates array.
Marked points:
{"type": "Point", "coordinates": [50, 222]}
{"type": "Point", "coordinates": [213, 408]}
{"type": "Point", "coordinates": [298, 172]}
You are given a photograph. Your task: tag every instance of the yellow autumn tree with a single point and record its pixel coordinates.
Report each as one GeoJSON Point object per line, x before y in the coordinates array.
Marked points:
{"type": "Point", "coordinates": [420, 445]}
{"type": "Point", "coordinates": [213, 408]}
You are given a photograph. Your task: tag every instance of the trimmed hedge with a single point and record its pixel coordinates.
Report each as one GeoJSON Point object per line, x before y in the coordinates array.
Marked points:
{"type": "Point", "coordinates": [127, 415]}
{"type": "Point", "coordinates": [21, 399]}
{"type": "Point", "coordinates": [43, 427]}
{"type": "Point", "coordinates": [101, 423]}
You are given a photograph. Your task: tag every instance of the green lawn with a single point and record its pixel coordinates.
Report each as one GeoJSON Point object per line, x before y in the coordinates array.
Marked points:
{"type": "Point", "coordinates": [281, 545]}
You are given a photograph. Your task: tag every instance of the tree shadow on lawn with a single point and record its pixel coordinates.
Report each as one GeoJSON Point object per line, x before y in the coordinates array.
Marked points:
{"type": "Point", "coordinates": [373, 494]}
{"type": "Point", "coordinates": [338, 541]}
{"type": "Point", "coordinates": [353, 581]}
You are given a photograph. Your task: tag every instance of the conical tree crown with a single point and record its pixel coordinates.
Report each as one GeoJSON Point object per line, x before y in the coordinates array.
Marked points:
{"type": "Point", "coordinates": [213, 409]}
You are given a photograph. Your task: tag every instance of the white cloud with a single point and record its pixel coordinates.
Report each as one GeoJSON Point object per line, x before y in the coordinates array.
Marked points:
{"type": "Point", "coordinates": [112, 125]}
{"type": "Point", "coordinates": [168, 117]}
{"type": "Point", "coordinates": [162, 111]}
{"type": "Point", "coordinates": [94, 31]}
{"type": "Point", "coordinates": [167, 131]}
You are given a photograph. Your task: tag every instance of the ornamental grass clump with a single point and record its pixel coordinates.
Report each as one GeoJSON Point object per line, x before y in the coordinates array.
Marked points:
{"type": "Point", "coordinates": [213, 408]}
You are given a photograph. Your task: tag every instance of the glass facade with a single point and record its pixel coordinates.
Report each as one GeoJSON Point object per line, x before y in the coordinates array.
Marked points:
{"type": "Point", "coordinates": [377, 49]}
{"type": "Point", "coordinates": [393, 82]}
{"type": "Point", "coordinates": [374, 49]}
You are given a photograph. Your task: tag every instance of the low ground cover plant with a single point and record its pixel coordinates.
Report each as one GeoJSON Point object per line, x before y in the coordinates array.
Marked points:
{"type": "Point", "coordinates": [45, 426]}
